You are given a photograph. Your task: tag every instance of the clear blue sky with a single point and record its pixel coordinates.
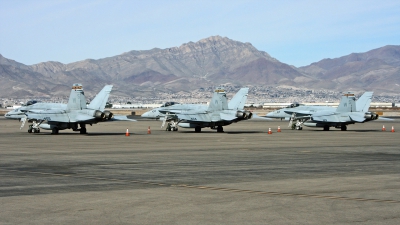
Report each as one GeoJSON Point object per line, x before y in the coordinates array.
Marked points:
{"type": "Point", "coordinates": [294, 32]}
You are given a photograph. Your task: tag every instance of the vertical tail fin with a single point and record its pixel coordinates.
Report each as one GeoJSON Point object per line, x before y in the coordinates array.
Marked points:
{"type": "Point", "coordinates": [218, 101]}
{"type": "Point", "coordinates": [77, 98]}
{"type": "Point", "coordinates": [363, 103]}
{"type": "Point", "coordinates": [237, 102]}
{"type": "Point", "coordinates": [347, 103]}
{"type": "Point", "coordinates": [99, 102]}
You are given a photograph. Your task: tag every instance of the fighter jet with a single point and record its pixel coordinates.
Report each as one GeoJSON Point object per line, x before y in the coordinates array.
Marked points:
{"type": "Point", "coordinates": [155, 114]}
{"type": "Point", "coordinates": [348, 112]}
{"type": "Point", "coordinates": [216, 115]}
{"type": "Point", "coordinates": [74, 113]}
{"type": "Point", "coordinates": [19, 113]}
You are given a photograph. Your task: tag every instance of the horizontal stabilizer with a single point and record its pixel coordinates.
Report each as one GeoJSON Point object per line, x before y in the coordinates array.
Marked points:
{"type": "Point", "coordinates": [384, 118]}
{"type": "Point", "coordinates": [83, 118]}
{"type": "Point", "coordinates": [357, 118]}
{"type": "Point", "coordinates": [121, 118]}
{"type": "Point", "coordinates": [257, 117]}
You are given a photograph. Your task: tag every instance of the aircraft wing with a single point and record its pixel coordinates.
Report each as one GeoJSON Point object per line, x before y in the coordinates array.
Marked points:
{"type": "Point", "coordinates": [323, 113]}
{"type": "Point", "coordinates": [49, 116]}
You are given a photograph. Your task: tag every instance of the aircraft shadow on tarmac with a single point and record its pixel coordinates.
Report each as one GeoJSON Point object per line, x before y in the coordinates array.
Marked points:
{"type": "Point", "coordinates": [88, 134]}
{"type": "Point", "coordinates": [345, 131]}
{"type": "Point", "coordinates": [225, 132]}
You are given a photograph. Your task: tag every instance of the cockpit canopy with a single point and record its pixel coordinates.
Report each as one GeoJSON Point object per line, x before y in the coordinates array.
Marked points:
{"type": "Point", "coordinates": [294, 105]}
{"type": "Point", "coordinates": [31, 102]}
{"type": "Point", "coordinates": [169, 104]}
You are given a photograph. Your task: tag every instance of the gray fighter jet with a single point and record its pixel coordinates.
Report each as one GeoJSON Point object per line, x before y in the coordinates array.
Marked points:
{"type": "Point", "coordinates": [74, 113]}
{"type": "Point", "coordinates": [216, 115]}
{"type": "Point", "coordinates": [348, 112]}
{"type": "Point", "coordinates": [19, 113]}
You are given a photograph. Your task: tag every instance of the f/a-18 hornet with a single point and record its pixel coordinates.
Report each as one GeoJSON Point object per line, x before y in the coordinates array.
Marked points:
{"type": "Point", "coordinates": [75, 114]}
{"type": "Point", "coordinates": [216, 115]}
{"type": "Point", "coordinates": [348, 112]}
{"type": "Point", "coordinates": [19, 113]}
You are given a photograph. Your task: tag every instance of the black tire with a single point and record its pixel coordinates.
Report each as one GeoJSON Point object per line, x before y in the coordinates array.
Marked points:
{"type": "Point", "coordinates": [83, 130]}
{"type": "Point", "coordinates": [220, 129]}
{"type": "Point", "coordinates": [197, 129]}
{"type": "Point", "coordinates": [343, 128]}
{"type": "Point", "coordinates": [54, 130]}
{"type": "Point", "coordinates": [326, 128]}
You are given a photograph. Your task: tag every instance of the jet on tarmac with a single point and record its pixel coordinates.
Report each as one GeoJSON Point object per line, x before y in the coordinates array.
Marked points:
{"type": "Point", "coordinates": [19, 113]}
{"type": "Point", "coordinates": [348, 112]}
{"type": "Point", "coordinates": [216, 115]}
{"type": "Point", "coordinates": [74, 113]}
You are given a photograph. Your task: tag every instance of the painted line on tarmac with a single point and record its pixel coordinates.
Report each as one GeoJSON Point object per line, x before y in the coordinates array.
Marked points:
{"type": "Point", "coordinates": [210, 188]}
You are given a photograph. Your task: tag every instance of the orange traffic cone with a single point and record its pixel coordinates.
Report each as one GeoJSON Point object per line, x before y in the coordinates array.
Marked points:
{"type": "Point", "coordinates": [269, 131]}
{"type": "Point", "coordinates": [127, 132]}
{"type": "Point", "coordinates": [383, 128]}
{"type": "Point", "coordinates": [392, 129]}
{"type": "Point", "coordinates": [148, 130]}
{"type": "Point", "coordinates": [279, 129]}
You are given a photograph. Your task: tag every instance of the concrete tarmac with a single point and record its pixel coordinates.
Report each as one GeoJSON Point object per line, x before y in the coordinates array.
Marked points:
{"type": "Point", "coordinates": [241, 176]}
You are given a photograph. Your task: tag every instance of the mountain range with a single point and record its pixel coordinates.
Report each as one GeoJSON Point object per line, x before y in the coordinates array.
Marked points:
{"type": "Point", "coordinates": [208, 62]}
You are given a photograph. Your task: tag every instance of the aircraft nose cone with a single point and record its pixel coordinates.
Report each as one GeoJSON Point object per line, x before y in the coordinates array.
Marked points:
{"type": "Point", "coordinates": [146, 114]}
{"type": "Point", "coordinates": [270, 114]}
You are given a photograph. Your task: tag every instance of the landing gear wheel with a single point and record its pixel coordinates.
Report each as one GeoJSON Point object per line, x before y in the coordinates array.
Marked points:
{"type": "Point", "coordinates": [343, 128]}
{"type": "Point", "coordinates": [168, 127]}
{"type": "Point", "coordinates": [30, 129]}
{"type": "Point", "coordinates": [197, 129]}
{"type": "Point", "coordinates": [220, 129]}
{"type": "Point", "coordinates": [175, 129]}
{"type": "Point", "coordinates": [54, 130]}
{"type": "Point", "coordinates": [83, 130]}
{"type": "Point", "coordinates": [326, 128]}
